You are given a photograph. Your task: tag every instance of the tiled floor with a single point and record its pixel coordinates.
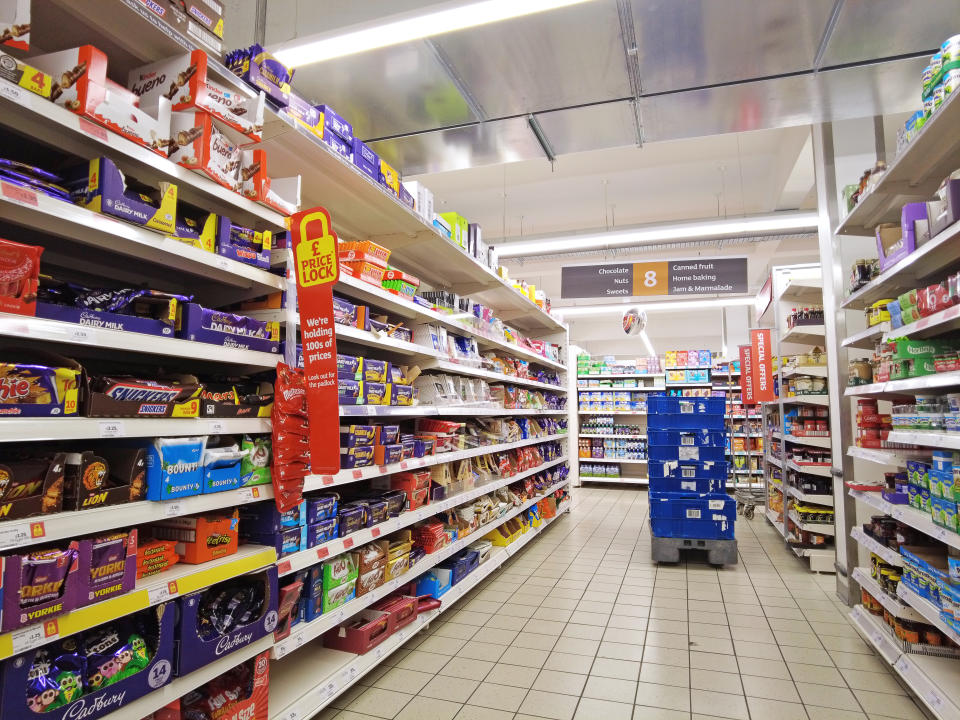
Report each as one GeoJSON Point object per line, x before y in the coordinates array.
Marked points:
{"type": "Point", "coordinates": [582, 626]}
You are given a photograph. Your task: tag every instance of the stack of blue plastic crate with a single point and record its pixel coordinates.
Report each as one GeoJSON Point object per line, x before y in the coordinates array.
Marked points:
{"type": "Point", "coordinates": [688, 473]}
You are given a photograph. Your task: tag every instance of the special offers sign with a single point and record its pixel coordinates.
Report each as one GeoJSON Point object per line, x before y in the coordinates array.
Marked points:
{"type": "Point", "coordinates": [699, 276]}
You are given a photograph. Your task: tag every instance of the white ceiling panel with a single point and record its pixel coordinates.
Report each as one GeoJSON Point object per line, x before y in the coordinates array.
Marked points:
{"type": "Point", "coordinates": [589, 128]}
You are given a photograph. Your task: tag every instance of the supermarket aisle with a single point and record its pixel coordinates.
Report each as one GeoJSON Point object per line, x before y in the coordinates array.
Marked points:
{"type": "Point", "coordinates": [582, 625]}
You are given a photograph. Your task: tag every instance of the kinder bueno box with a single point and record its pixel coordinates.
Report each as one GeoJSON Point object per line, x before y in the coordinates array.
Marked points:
{"type": "Point", "coordinates": [218, 327]}
{"type": "Point", "coordinates": [15, 23]}
{"type": "Point", "coordinates": [125, 396]}
{"type": "Point", "coordinates": [254, 615]}
{"type": "Point", "coordinates": [83, 88]}
{"type": "Point", "coordinates": [37, 383]}
{"type": "Point", "coordinates": [281, 194]}
{"type": "Point", "coordinates": [19, 277]}
{"type": "Point", "coordinates": [184, 81]}
{"type": "Point", "coordinates": [104, 189]}
{"type": "Point", "coordinates": [124, 660]}
{"type": "Point", "coordinates": [198, 144]}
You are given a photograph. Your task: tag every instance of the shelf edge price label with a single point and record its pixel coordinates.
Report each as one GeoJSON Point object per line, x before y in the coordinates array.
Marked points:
{"type": "Point", "coordinates": [173, 510]}
{"type": "Point", "coordinates": [217, 427]}
{"type": "Point", "coordinates": [11, 537]}
{"type": "Point", "coordinates": [20, 195]}
{"type": "Point", "coordinates": [111, 429]}
{"type": "Point", "coordinates": [27, 638]}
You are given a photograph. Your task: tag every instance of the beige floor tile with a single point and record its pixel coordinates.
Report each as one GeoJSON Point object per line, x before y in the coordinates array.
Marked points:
{"type": "Point", "coordinates": [866, 680]}
{"type": "Point", "coordinates": [567, 662]}
{"type": "Point", "coordinates": [624, 651]}
{"type": "Point", "coordinates": [403, 680]}
{"type": "Point", "coordinates": [591, 709]}
{"type": "Point", "coordinates": [763, 668]}
{"type": "Point", "coordinates": [453, 689]}
{"type": "Point", "coordinates": [545, 627]}
{"type": "Point", "coordinates": [535, 641]}
{"type": "Point", "coordinates": [719, 704]}
{"type": "Point", "coordinates": [620, 669]}
{"type": "Point", "coordinates": [423, 661]}
{"type": "Point", "coordinates": [819, 674]}
{"type": "Point", "coordinates": [505, 622]}
{"type": "Point", "coordinates": [643, 712]}
{"type": "Point", "coordinates": [775, 709]}
{"type": "Point", "coordinates": [577, 646]}
{"type": "Point", "coordinates": [715, 681]}
{"type": "Point", "coordinates": [441, 645]}
{"type": "Point", "coordinates": [457, 631]}
{"type": "Point", "coordinates": [528, 657]}
{"type": "Point", "coordinates": [769, 688]}
{"type": "Point", "coordinates": [515, 675]}
{"type": "Point", "coordinates": [482, 651]}
{"type": "Point", "coordinates": [498, 697]}
{"type": "Point", "coordinates": [560, 682]}
{"type": "Point", "coordinates": [827, 696]}
{"type": "Point", "coordinates": [466, 668]}
{"type": "Point", "coordinates": [549, 705]}
{"type": "Point", "coordinates": [583, 632]}
{"type": "Point", "coordinates": [670, 697]}
{"type": "Point", "coordinates": [856, 661]}
{"type": "Point", "coordinates": [475, 712]}
{"type": "Point", "coordinates": [380, 703]}
{"type": "Point", "coordinates": [604, 688]}
{"type": "Point", "coordinates": [664, 675]}
{"type": "Point", "coordinates": [898, 706]}
{"type": "Point", "coordinates": [815, 712]}
{"type": "Point", "coordinates": [809, 656]}
{"type": "Point", "coordinates": [425, 708]}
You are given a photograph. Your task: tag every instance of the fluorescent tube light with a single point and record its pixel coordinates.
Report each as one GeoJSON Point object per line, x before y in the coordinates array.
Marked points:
{"type": "Point", "coordinates": [404, 27]}
{"type": "Point", "coordinates": [649, 345]}
{"type": "Point", "coordinates": [646, 234]}
{"type": "Point", "coordinates": [670, 306]}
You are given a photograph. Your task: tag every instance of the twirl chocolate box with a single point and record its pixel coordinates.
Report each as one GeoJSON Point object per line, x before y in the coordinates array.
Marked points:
{"type": "Point", "coordinates": [184, 81]}
{"type": "Point", "coordinates": [82, 86]}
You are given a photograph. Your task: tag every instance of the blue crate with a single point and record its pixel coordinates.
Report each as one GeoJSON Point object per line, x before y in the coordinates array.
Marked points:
{"type": "Point", "coordinates": [694, 516]}
{"type": "Point", "coordinates": [685, 422]}
{"type": "Point", "coordinates": [688, 470]}
{"type": "Point", "coordinates": [695, 453]}
{"type": "Point", "coordinates": [658, 405]}
{"type": "Point", "coordinates": [686, 485]}
{"type": "Point", "coordinates": [687, 438]}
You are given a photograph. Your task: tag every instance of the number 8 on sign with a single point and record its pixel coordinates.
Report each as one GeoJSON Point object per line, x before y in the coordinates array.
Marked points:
{"type": "Point", "coordinates": [650, 278]}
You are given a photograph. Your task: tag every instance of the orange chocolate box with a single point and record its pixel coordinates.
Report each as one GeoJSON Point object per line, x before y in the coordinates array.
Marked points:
{"type": "Point", "coordinates": [201, 538]}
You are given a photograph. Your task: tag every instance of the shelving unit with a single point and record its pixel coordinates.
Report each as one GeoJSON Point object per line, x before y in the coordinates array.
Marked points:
{"type": "Point", "coordinates": [912, 176]}
{"type": "Point", "coordinates": [784, 477]}
{"type": "Point", "coordinates": [745, 465]}
{"type": "Point", "coordinates": [605, 456]}
{"type": "Point", "coordinates": [97, 245]}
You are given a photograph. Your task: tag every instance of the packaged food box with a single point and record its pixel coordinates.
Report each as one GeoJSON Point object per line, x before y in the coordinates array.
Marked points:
{"type": "Point", "coordinates": [263, 71]}
{"type": "Point", "coordinates": [198, 144]}
{"type": "Point", "coordinates": [201, 538]}
{"type": "Point", "coordinates": [19, 276]}
{"type": "Point", "coordinates": [38, 383]}
{"type": "Point", "coordinates": [122, 396]}
{"type": "Point", "coordinates": [218, 327]}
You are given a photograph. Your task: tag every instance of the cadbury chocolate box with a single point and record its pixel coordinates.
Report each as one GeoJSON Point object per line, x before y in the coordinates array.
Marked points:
{"type": "Point", "coordinates": [263, 71]}
{"type": "Point", "coordinates": [217, 327]}
{"type": "Point", "coordinates": [200, 20]}
{"type": "Point", "coordinates": [194, 652]}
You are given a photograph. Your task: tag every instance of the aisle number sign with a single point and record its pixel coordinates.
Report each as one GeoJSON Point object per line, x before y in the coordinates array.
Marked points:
{"type": "Point", "coordinates": [316, 267]}
{"type": "Point", "coordinates": [698, 276]}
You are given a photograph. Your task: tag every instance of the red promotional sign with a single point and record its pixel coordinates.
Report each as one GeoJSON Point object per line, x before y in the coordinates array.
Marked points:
{"type": "Point", "coordinates": [315, 262]}
{"type": "Point", "coordinates": [746, 375]}
{"type": "Point", "coordinates": [762, 367]}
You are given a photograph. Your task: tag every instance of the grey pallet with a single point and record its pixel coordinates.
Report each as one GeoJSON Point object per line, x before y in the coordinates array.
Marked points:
{"type": "Point", "coordinates": [719, 552]}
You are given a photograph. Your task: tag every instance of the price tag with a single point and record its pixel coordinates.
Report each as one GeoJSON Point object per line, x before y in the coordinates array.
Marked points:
{"type": "Point", "coordinates": [901, 665]}
{"type": "Point", "coordinates": [11, 91]}
{"type": "Point", "coordinates": [322, 552]}
{"type": "Point", "coordinates": [357, 474]}
{"type": "Point", "coordinates": [370, 409]}
{"type": "Point", "coordinates": [375, 532]}
{"type": "Point", "coordinates": [13, 536]}
{"type": "Point", "coordinates": [353, 672]}
{"type": "Point", "coordinates": [217, 427]}
{"type": "Point", "coordinates": [245, 495]}
{"type": "Point", "coordinates": [27, 638]}
{"type": "Point", "coordinates": [403, 465]}
{"type": "Point", "coordinates": [223, 263]}
{"type": "Point", "coordinates": [21, 195]}
{"type": "Point", "coordinates": [383, 469]}
{"type": "Point", "coordinates": [347, 543]}
{"type": "Point", "coordinates": [173, 509]}
{"type": "Point", "coordinates": [935, 700]}
{"type": "Point", "coordinates": [81, 334]}
{"type": "Point", "coordinates": [327, 479]}
{"type": "Point", "coordinates": [293, 715]}
{"type": "Point", "coordinates": [111, 428]}
{"type": "Point", "coordinates": [92, 130]}
{"type": "Point", "coordinates": [284, 567]}
{"type": "Point", "coordinates": [379, 652]}
{"type": "Point", "coordinates": [300, 640]}
{"type": "Point", "coordinates": [161, 594]}
{"type": "Point", "coordinates": [331, 688]}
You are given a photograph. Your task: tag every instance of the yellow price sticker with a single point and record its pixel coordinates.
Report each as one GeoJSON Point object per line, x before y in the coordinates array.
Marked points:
{"type": "Point", "coordinates": [316, 257]}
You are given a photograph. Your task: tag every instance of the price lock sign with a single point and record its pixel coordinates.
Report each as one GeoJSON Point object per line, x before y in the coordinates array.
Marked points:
{"type": "Point", "coordinates": [315, 258]}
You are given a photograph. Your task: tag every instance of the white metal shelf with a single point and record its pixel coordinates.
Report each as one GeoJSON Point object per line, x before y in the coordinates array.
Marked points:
{"type": "Point", "coordinates": [104, 232]}
{"type": "Point", "coordinates": [620, 376]}
{"type": "Point", "coordinates": [670, 385]}
{"type": "Point", "coordinates": [462, 369]}
{"type": "Point", "coordinates": [867, 339]}
{"type": "Point", "coordinates": [882, 457]}
{"type": "Point", "coordinates": [34, 328]}
{"type": "Point", "coordinates": [430, 410]}
{"type": "Point", "coordinates": [178, 580]}
{"type": "Point", "coordinates": [612, 412]}
{"type": "Point", "coordinates": [892, 605]}
{"type": "Point", "coordinates": [807, 370]}
{"type": "Point", "coordinates": [615, 481]}
{"type": "Point", "coordinates": [328, 673]}
{"type": "Point", "coordinates": [817, 400]}
{"type": "Point", "coordinates": [809, 498]}
{"type": "Point", "coordinates": [801, 291]}
{"type": "Point", "coordinates": [819, 470]}
{"type": "Point", "coordinates": [939, 323]}
{"type": "Point", "coordinates": [908, 386]}
{"type": "Point", "coordinates": [805, 335]}
{"type": "Point", "coordinates": [83, 428]}
{"type": "Point", "coordinates": [889, 555]}
{"type": "Point", "coordinates": [819, 528]}
{"type": "Point", "coordinates": [304, 632]}
{"type": "Point", "coordinates": [305, 558]}
{"type": "Point", "coordinates": [821, 441]}
{"type": "Point", "coordinates": [920, 437]}
{"type": "Point", "coordinates": [624, 461]}
{"type": "Point", "coordinates": [48, 122]}
{"type": "Point", "coordinates": [775, 520]}
{"type": "Point", "coordinates": [909, 516]}
{"type": "Point", "coordinates": [613, 437]}
{"type": "Point", "coordinates": [647, 388]}
{"type": "Point", "coordinates": [926, 610]}
{"type": "Point", "coordinates": [773, 460]}
{"type": "Point", "coordinates": [913, 175]}
{"type": "Point", "coordinates": [931, 258]}
{"type": "Point", "coordinates": [877, 633]}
